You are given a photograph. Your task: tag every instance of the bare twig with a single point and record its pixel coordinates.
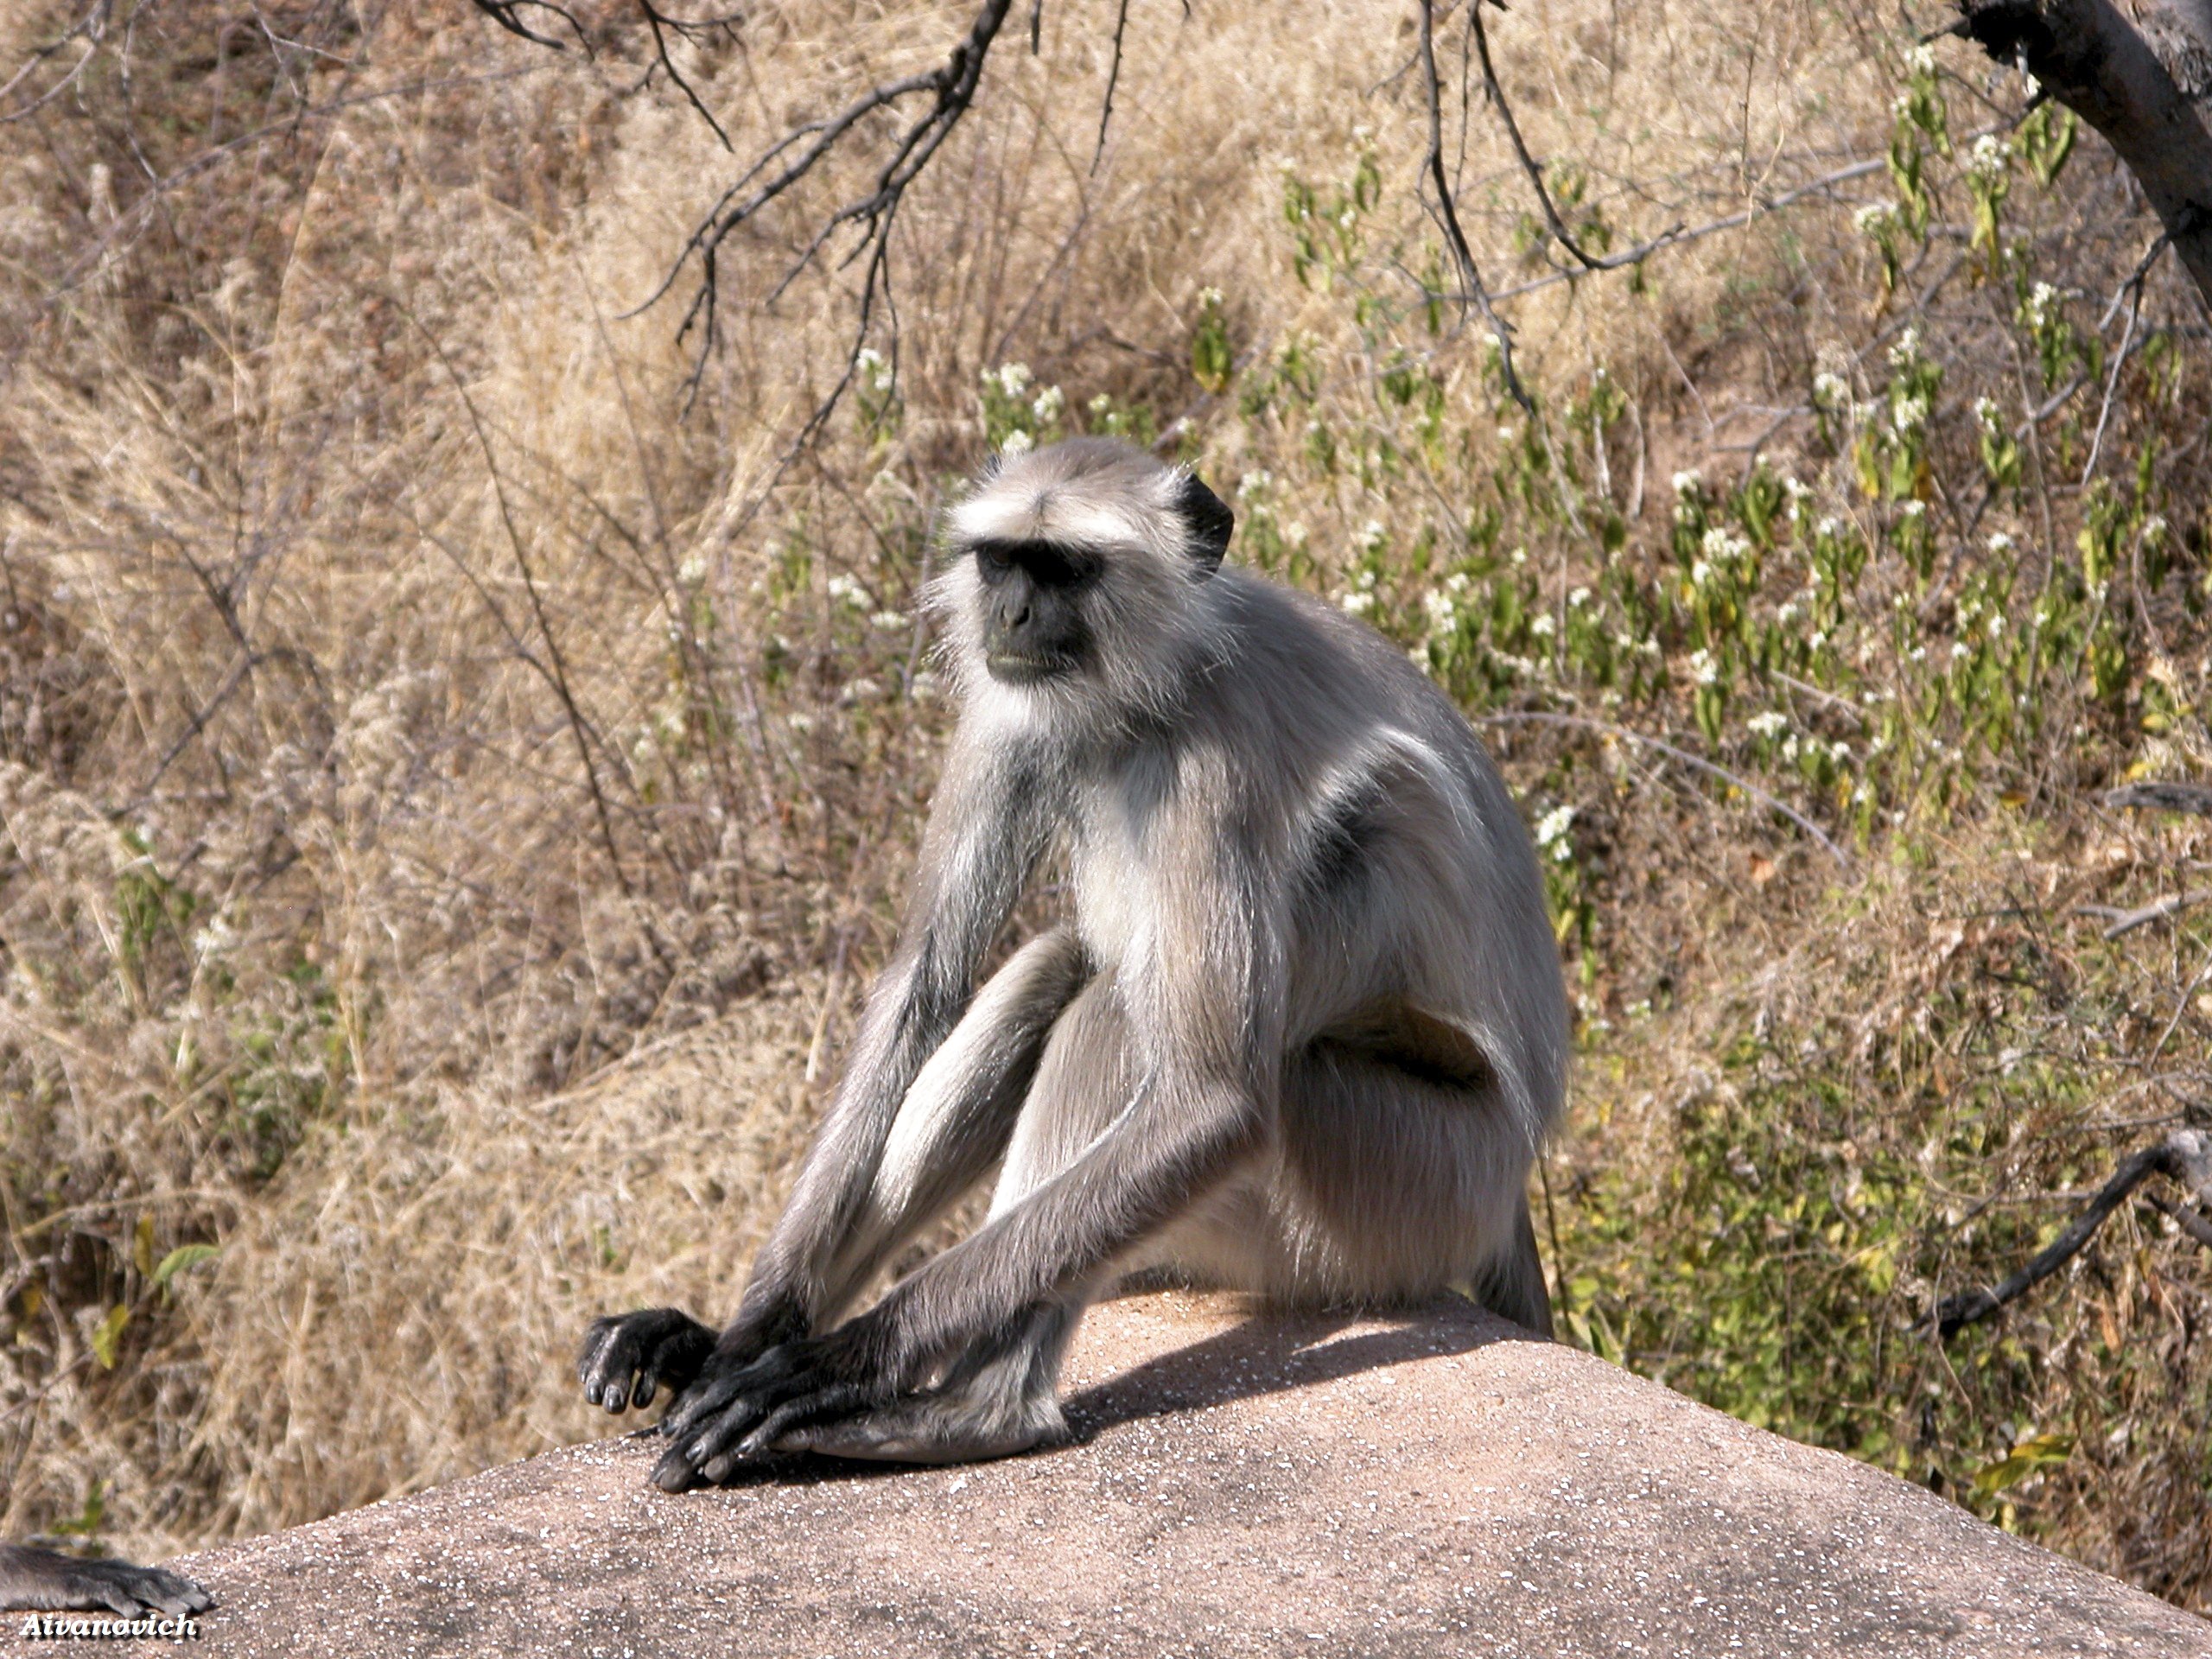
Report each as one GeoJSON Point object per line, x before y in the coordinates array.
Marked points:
{"type": "Point", "coordinates": [663, 26]}
{"type": "Point", "coordinates": [2163, 797]}
{"type": "Point", "coordinates": [1534, 169]}
{"type": "Point", "coordinates": [951, 89]}
{"type": "Point", "coordinates": [1113, 79]}
{"type": "Point", "coordinates": [2182, 1156]}
{"type": "Point", "coordinates": [2126, 921]}
{"type": "Point", "coordinates": [1534, 717]}
{"type": "Point", "coordinates": [2133, 289]}
{"type": "Point", "coordinates": [1448, 215]}
{"type": "Point", "coordinates": [507, 14]}
{"type": "Point", "coordinates": [2189, 1220]}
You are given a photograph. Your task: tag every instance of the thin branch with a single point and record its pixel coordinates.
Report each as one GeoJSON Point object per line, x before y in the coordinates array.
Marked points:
{"type": "Point", "coordinates": [2126, 921]}
{"type": "Point", "coordinates": [1583, 722]}
{"type": "Point", "coordinates": [663, 26]}
{"type": "Point", "coordinates": [1534, 169]}
{"type": "Point", "coordinates": [507, 14]}
{"type": "Point", "coordinates": [1448, 214]}
{"type": "Point", "coordinates": [2180, 1156]}
{"type": "Point", "coordinates": [2133, 289]}
{"type": "Point", "coordinates": [1113, 78]}
{"type": "Point", "coordinates": [953, 89]}
{"type": "Point", "coordinates": [2163, 797]}
{"type": "Point", "coordinates": [2190, 1221]}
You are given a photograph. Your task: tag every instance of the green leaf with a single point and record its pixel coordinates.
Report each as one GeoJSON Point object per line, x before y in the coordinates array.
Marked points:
{"type": "Point", "coordinates": [2029, 1457]}
{"type": "Point", "coordinates": [183, 1259]}
{"type": "Point", "coordinates": [109, 1334]}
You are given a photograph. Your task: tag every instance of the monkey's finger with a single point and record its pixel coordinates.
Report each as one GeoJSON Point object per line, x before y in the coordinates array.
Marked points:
{"type": "Point", "coordinates": [841, 1401]}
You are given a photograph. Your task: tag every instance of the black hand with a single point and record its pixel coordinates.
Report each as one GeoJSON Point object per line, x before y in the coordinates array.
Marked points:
{"type": "Point", "coordinates": [736, 1411]}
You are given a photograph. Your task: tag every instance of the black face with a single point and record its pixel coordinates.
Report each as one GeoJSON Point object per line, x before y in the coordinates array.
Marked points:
{"type": "Point", "coordinates": [1034, 625]}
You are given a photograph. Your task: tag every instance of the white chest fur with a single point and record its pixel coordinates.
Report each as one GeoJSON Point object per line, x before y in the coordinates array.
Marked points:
{"type": "Point", "coordinates": [1107, 861]}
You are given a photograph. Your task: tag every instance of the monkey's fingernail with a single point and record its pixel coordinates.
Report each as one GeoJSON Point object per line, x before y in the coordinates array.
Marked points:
{"type": "Point", "coordinates": [614, 1401]}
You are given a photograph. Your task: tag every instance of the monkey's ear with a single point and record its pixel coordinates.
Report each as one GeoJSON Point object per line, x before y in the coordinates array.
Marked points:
{"type": "Point", "coordinates": [1209, 520]}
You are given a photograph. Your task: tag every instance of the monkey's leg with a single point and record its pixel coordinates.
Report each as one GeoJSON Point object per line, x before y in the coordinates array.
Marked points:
{"type": "Point", "coordinates": [1002, 1395]}
{"type": "Point", "coordinates": [1397, 1180]}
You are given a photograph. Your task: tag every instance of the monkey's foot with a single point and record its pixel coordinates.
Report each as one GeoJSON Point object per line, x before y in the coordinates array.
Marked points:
{"type": "Point", "coordinates": [628, 1357]}
{"type": "Point", "coordinates": [947, 1426]}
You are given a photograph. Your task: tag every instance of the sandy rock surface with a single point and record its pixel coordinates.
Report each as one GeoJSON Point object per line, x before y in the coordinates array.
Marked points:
{"type": "Point", "coordinates": [1321, 1487]}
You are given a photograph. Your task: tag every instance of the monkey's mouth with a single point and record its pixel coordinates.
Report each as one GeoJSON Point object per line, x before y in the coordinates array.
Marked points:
{"type": "Point", "coordinates": [1026, 668]}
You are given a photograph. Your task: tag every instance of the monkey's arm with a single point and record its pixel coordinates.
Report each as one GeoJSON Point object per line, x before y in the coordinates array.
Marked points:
{"type": "Point", "coordinates": [986, 830]}
{"type": "Point", "coordinates": [48, 1582]}
{"type": "Point", "coordinates": [1209, 1035]}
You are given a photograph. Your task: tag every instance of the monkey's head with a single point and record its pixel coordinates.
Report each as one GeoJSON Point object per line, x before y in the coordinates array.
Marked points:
{"type": "Point", "coordinates": [1078, 573]}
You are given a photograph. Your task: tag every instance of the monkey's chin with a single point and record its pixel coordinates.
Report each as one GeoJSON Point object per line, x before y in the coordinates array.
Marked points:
{"type": "Point", "coordinates": [1011, 670]}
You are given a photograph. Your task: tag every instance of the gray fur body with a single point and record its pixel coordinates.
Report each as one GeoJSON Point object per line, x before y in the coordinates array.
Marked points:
{"type": "Point", "coordinates": [1302, 1035]}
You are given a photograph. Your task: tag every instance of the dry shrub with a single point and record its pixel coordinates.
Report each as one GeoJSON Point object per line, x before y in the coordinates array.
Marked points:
{"type": "Point", "coordinates": [455, 783]}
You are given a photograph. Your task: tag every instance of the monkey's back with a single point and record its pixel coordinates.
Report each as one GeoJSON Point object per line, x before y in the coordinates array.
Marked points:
{"type": "Point", "coordinates": [1416, 878]}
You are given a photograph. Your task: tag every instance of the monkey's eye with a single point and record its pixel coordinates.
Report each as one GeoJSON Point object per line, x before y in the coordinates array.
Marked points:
{"type": "Point", "coordinates": [994, 558]}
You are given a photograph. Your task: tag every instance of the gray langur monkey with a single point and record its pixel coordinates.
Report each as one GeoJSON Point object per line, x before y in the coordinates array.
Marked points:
{"type": "Point", "coordinates": [45, 1580]}
{"type": "Point", "coordinates": [1301, 1036]}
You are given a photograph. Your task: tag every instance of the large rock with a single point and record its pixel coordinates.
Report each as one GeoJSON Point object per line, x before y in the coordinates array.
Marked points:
{"type": "Point", "coordinates": [1437, 1484]}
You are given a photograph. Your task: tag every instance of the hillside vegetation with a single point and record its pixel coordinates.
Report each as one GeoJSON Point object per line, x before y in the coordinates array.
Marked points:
{"type": "Point", "coordinates": [456, 776]}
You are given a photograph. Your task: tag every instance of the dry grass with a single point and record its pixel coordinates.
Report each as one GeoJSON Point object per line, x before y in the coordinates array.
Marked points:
{"type": "Point", "coordinates": [452, 796]}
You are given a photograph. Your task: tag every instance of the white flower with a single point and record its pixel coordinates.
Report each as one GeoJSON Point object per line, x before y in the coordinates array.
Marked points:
{"type": "Point", "coordinates": [1208, 298]}
{"type": "Point", "coordinates": [1907, 347]}
{"type": "Point", "coordinates": [693, 570]}
{"type": "Point", "coordinates": [1908, 414]}
{"type": "Point", "coordinates": [1913, 509]}
{"type": "Point", "coordinates": [1999, 543]}
{"type": "Point", "coordinates": [1872, 219]}
{"type": "Point", "coordinates": [1358, 602]}
{"type": "Point", "coordinates": [1991, 155]}
{"type": "Point", "coordinates": [1700, 573]}
{"type": "Point", "coordinates": [1013, 377]}
{"type": "Point", "coordinates": [1541, 625]}
{"type": "Point", "coordinates": [1372, 535]}
{"type": "Point", "coordinates": [1769, 725]}
{"type": "Point", "coordinates": [1254, 482]}
{"type": "Point", "coordinates": [2154, 529]}
{"type": "Point", "coordinates": [1442, 612]}
{"type": "Point", "coordinates": [1579, 597]}
{"type": "Point", "coordinates": [1552, 828]}
{"type": "Point", "coordinates": [1839, 752]}
{"type": "Point", "coordinates": [800, 721]}
{"type": "Point", "coordinates": [1456, 582]}
{"type": "Point", "coordinates": [1703, 665]}
{"type": "Point", "coordinates": [888, 621]}
{"type": "Point", "coordinates": [845, 591]}
{"type": "Point", "coordinates": [1827, 530]}
{"type": "Point", "coordinates": [1050, 402]}
{"type": "Point", "coordinates": [1017, 443]}
{"type": "Point", "coordinates": [1688, 481]}
{"type": "Point", "coordinates": [1921, 59]}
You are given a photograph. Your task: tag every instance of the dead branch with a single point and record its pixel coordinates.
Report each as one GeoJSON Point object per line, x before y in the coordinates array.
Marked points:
{"type": "Point", "coordinates": [1113, 79]}
{"type": "Point", "coordinates": [2184, 1156]}
{"type": "Point", "coordinates": [1534, 170]}
{"type": "Point", "coordinates": [2163, 797]}
{"type": "Point", "coordinates": [507, 14]}
{"type": "Point", "coordinates": [1448, 214]}
{"type": "Point", "coordinates": [2092, 57]}
{"type": "Point", "coordinates": [2126, 921]}
{"type": "Point", "coordinates": [952, 91]}
{"type": "Point", "coordinates": [2189, 1220]}
{"type": "Point", "coordinates": [1534, 717]}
